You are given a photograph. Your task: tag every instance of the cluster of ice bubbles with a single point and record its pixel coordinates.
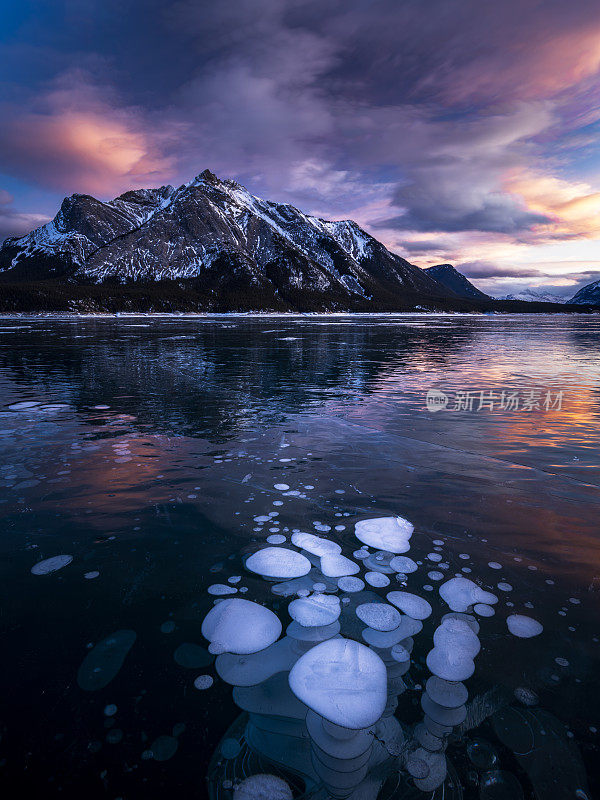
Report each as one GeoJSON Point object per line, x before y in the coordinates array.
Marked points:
{"type": "Point", "coordinates": [321, 699]}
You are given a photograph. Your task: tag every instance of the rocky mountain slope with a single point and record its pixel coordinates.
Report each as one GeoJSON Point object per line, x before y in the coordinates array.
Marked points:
{"type": "Point", "coordinates": [587, 295]}
{"type": "Point", "coordinates": [455, 281]}
{"type": "Point", "coordinates": [536, 296]}
{"type": "Point", "coordinates": [215, 240]}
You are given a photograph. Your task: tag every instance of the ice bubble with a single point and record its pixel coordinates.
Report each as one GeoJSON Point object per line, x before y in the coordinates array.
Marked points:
{"type": "Point", "coordinates": [89, 576]}
{"type": "Point", "coordinates": [435, 576]}
{"type": "Point", "coordinates": [455, 646]}
{"type": "Point", "coordinates": [282, 487]}
{"type": "Point", "coordinates": [483, 610]}
{"type": "Point", "coordinates": [315, 610]}
{"type": "Point", "coordinates": [110, 710]}
{"type": "Point", "coordinates": [494, 565]}
{"type": "Point", "coordinates": [380, 616]}
{"type": "Point", "coordinates": [562, 662]}
{"type": "Point", "coordinates": [338, 566]}
{"type": "Point", "coordinates": [400, 654]}
{"type": "Point", "coordinates": [408, 627]}
{"type": "Point", "coordinates": [434, 557]}
{"type": "Point", "coordinates": [343, 681]}
{"type": "Point", "coordinates": [526, 696]}
{"type": "Point", "coordinates": [446, 693]}
{"type": "Point", "coordinates": [411, 604]}
{"type": "Point", "coordinates": [22, 406]}
{"type": "Point", "coordinates": [276, 538]}
{"type": "Point", "coordinates": [377, 579]}
{"type": "Point", "coordinates": [461, 593]}
{"type": "Point", "coordinates": [504, 587]}
{"type": "Point", "coordinates": [262, 787]}
{"type": "Point", "coordinates": [105, 660]}
{"type": "Point", "coordinates": [348, 584]}
{"type": "Point", "coordinates": [403, 564]}
{"type": "Point", "coordinates": [278, 562]}
{"type": "Point", "coordinates": [51, 565]}
{"type": "Point", "coordinates": [523, 627]}
{"type": "Point", "coordinates": [240, 626]}
{"type": "Point", "coordinates": [385, 533]}
{"type": "Point", "coordinates": [218, 589]}
{"type": "Point", "coordinates": [163, 748]}
{"type": "Point", "coordinates": [360, 554]}
{"type": "Point", "coordinates": [315, 545]}
{"type": "Point", "coordinates": [203, 682]}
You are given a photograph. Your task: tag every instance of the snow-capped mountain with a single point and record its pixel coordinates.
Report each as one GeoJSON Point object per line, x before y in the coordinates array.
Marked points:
{"type": "Point", "coordinates": [455, 281]}
{"type": "Point", "coordinates": [222, 241]}
{"type": "Point", "coordinates": [535, 296]}
{"type": "Point", "coordinates": [587, 295]}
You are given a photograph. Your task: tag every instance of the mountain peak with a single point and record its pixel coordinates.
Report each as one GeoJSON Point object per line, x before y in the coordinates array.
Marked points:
{"type": "Point", "coordinates": [208, 176]}
{"type": "Point", "coordinates": [455, 281]}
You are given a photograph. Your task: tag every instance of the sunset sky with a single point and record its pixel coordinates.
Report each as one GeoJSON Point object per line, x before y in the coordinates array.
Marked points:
{"type": "Point", "coordinates": [460, 131]}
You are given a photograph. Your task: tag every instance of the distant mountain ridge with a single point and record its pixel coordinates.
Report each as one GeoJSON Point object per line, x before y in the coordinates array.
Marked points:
{"type": "Point", "coordinates": [455, 282]}
{"type": "Point", "coordinates": [213, 236]}
{"type": "Point", "coordinates": [536, 296]}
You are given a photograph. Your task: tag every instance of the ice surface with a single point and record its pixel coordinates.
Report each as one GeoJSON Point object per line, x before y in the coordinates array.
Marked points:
{"type": "Point", "coordinates": [338, 566]}
{"type": "Point", "coordinates": [380, 616]}
{"type": "Point", "coordinates": [461, 593]}
{"type": "Point", "coordinates": [411, 604]}
{"type": "Point", "coordinates": [403, 564]}
{"type": "Point", "coordinates": [51, 565]}
{"type": "Point", "coordinates": [316, 545]}
{"type": "Point", "coordinates": [262, 787]}
{"type": "Point", "coordinates": [385, 533]}
{"type": "Point", "coordinates": [278, 562]}
{"type": "Point", "coordinates": [315, 610]}
{"type": "Point", "coordinates": [240, 626]}
{"type": "Point", "coordinates": [523, 627]}
{"type": "Point", "coordinates": [408, 627]}
{"type": "Point", "coordinates": [343, 681]}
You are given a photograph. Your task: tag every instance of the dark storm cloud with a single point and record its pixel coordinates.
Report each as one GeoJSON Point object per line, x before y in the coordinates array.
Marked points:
{"type": "Point", "coordinates": [335, 106]}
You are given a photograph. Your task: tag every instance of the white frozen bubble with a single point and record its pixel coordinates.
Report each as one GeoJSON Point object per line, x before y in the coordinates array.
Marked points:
{"type": "Point", "coordinates": [338, 566]}
{"type": "Point", "coordinates": [435, 576]}
{"type": "Point", "coordinates": [377, 579]}
{"type": "Point", "coordinates": [461, 593]}
{"type": "Point", "coordinates": [282, 487]}
{"type": "Point", "coordinates": [494, 565]}
{"type": "Point", "coordinates": [400, 654]}
{"type": "Point", "coordinates": [446, 693]}
{"type": "Point", "coordinates": [523, 627]}
{"type": "Point", "coordinates": [278, 562]}
{"type": "Point", "coordinates": [385, 533]}
{"type": "Point", "coordinates": [49, 565]}
{"type": "Point", "coordinates": [240, 626]}
{"type": "Point", "coordinates": [403, 564]}
{"type": "Point", "coordinates": [262, 787]}
{"type": "Point", "coordinates": [348, 584]}
{"type": "Point", "coordinates": [110, 710]}
{"type": "Point", "coordinates": [504, 587]}
{"type": "Point", "coordinates": [315, 545]}
{"type": "Point", "coordinates": [89, 576]}
{"type": "Point", "coordinates": [203, 682]}
{"type": "Point", "coordinates": [380, 616]}
{"type": "Point", "coordinates": [315, 610]}
{"type": "Point", "coordinates": [220, 589]}
{"type": "Point", "coordinates": [483, 610]}
{"type": "Point", "coordinates": [411, 604]}
{"type": "Point", "coordinates": [22, 406]}
{"type": "Point", "coordinates": [343, 681]}
{"type": "Point", "coordinates": [455, 646]}
{"type": "Point", "coordinates": [562, 662]}
{"type": "Point", "coordinates": [361, 554]}
{"type": "Point", "coordinates": [276, 538]}
{"type": "Point", "coordinates": [434, 557]}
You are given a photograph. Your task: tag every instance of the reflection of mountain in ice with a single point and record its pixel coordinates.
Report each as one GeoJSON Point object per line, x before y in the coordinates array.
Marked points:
{"type": "Point", "coordinates": [320, 704]}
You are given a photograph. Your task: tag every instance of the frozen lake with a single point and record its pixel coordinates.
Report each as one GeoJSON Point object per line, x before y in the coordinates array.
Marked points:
{"type": "Point", "coordinates": [142, 451]}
